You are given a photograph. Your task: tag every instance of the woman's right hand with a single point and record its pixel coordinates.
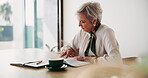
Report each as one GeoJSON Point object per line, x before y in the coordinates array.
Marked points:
{"type": "Point", "coordinates": [67, 53]}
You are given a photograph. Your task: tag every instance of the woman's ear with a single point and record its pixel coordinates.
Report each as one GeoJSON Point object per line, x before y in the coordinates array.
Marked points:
{"type": "Point", "coordinates": [94, 22]}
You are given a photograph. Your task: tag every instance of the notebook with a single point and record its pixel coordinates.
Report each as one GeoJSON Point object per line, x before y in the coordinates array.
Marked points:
{"type": "Point", "coordinates": [33, 64]}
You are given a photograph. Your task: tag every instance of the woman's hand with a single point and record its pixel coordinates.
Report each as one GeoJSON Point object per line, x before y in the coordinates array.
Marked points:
{"type": "Point", "coordinates": [87, 59]}
{"type": "Point", "coordinates": [68, 53]}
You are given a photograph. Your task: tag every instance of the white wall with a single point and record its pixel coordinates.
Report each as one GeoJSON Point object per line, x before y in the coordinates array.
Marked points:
{"type": "Point", "coordinates": [50, 23]}
{"type": "Point", "coordinates": [128, 18]}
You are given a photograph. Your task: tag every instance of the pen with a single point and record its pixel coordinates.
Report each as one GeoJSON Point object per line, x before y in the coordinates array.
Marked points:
{"type": "Point", "coordinates": [39, 62]}
{"type": "Point", "coordinates": [47, 46]}
{"type": "Point", "coordinates": [36, 62]}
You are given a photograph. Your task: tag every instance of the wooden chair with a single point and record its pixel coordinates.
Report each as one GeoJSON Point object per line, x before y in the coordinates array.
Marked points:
{"type": "Point", "coordinates": [131, 60]}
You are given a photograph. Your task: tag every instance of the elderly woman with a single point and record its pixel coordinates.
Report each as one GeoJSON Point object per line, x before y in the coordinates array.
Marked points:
{"type": "Point", "coordinates": [95, 42]}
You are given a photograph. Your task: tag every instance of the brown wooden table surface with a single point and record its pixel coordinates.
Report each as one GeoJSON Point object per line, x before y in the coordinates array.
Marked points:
{"type": "Point", "coordinates": [89, 71]}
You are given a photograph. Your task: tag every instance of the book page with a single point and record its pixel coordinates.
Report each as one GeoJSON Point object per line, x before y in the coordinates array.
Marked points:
{"type": "Point", "coordinates": [74, 62]}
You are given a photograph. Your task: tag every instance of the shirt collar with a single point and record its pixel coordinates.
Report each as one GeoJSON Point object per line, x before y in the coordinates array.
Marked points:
{"type": "Point", "coordinates": [96, 28]}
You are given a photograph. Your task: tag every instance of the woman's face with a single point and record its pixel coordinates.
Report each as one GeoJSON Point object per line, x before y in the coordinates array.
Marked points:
{"type": "Point", "coordinates": [84, 23]}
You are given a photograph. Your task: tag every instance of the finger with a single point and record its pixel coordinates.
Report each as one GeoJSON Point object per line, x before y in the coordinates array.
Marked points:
{"type": "Point", "coordinates": [68, 53]}
{"type": "Point", "coordinates": [82, 58]}
{"type": "Point", "coordinates": [72, 56]}
{"type": "Point", "coordinates": [63, 54]}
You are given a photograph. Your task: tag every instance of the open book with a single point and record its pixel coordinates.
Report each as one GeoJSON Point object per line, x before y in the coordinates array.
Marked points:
{"type": "Point", "coordinates": [75, 63]}
{"type": "Point", "coordinates": [33, 64]}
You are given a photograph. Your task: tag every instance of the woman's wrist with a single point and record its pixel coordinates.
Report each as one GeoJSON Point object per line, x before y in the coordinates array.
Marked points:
{"type": "Point", "coordinates": [64, 48]}
{"type": "Point", "coordinates": [93, 60]}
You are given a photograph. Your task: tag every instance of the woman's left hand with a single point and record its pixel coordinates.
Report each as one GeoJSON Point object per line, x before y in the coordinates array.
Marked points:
{"type": "Point", "coordinates": [87, 59]}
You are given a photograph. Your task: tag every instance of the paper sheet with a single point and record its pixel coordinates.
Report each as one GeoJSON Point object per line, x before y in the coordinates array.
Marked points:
{"type": "Point", "coordinates": [74, 62]}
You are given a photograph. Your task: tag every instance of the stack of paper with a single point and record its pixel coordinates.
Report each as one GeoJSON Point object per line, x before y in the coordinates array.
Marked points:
{"type": "Point", "coordinates": [76, 63]}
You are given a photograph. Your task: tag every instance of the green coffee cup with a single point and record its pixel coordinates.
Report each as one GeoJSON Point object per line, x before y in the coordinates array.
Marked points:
{"type": "Point", "coordinates": [56, 63]}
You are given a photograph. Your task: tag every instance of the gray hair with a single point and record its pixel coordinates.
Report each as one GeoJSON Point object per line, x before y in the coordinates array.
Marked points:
{"type": "Point", "coordinates": [92, 10]}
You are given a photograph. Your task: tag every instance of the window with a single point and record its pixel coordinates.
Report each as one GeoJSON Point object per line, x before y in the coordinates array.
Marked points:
{"type": "Point", "coordinates": [34, 23]}
{"type": "Point", "coordinates": [6, 29]}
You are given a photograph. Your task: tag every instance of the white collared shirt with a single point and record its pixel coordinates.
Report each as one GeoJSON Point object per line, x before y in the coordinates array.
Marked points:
{"type": "Point", "coordinates": [107, 48]}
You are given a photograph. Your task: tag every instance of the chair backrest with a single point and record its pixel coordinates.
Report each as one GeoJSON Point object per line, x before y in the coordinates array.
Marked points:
{"type": "Point", "coordinates": [131, 60]}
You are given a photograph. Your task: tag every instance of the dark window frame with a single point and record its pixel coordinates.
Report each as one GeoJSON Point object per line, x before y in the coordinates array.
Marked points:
{"type": "Point", "coordinates": [60, 24]}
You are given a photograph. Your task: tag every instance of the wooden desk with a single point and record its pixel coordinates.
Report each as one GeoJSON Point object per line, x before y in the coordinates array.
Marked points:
{"type": "Point", "coordinates": [9, 56]}
{"type": "Point", "coordinates": [8, 71]}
